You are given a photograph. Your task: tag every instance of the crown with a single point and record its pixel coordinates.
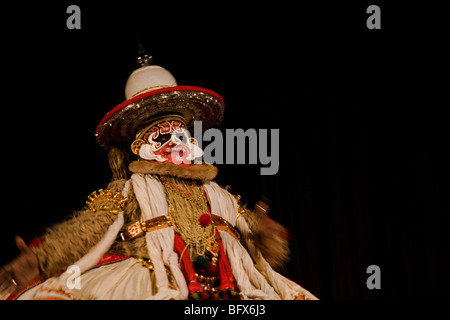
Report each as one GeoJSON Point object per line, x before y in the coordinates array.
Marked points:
{"type": "Point", "coordinates": [102, 200]}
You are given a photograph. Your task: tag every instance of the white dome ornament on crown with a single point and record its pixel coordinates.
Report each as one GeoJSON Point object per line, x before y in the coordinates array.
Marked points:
{"type": "Point", "coordinates": [147, 78]}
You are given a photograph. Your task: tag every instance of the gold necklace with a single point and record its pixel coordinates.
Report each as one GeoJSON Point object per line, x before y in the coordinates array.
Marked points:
{"type": "Point", "coordinates": [200, 198]}
{"type": "Point", "coordinates": [186, 208]}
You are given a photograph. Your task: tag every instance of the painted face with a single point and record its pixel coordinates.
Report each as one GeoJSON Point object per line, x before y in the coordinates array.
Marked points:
{"type": "Point", "coordinates": [169, 141]}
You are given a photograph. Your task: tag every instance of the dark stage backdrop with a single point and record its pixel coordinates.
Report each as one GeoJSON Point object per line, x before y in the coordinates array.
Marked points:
{"type": "Point", "coordinates": [363, 175]}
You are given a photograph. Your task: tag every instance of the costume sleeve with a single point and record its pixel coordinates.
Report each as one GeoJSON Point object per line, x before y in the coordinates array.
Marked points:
{"type": "Point", "coordinates": [267, 235]}
{"type": "Point", "coordinates": [66, 242]}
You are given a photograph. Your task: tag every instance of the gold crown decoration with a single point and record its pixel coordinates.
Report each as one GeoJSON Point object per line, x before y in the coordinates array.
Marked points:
{"type": "Point", "coordinates": [102, 200]}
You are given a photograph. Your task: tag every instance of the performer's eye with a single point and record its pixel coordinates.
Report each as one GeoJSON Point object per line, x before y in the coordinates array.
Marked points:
{"type": "Point", "coordinates": [162, 138]}
{"type": "Point", "coordinates": [182, 137]}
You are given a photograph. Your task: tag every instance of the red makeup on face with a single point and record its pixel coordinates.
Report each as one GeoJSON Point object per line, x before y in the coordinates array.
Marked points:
{"type": "Point", "coordinates": [168, 141]}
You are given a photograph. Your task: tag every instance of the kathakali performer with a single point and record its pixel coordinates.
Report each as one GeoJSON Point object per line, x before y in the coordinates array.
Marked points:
{"type": "Point", "coordinates": [162, 229]}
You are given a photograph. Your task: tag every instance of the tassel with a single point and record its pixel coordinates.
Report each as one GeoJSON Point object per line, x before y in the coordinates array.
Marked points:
{"type": "Point", "coordinates": [202, 263]}
{"type": "Point", "coordinates": [186, 265]}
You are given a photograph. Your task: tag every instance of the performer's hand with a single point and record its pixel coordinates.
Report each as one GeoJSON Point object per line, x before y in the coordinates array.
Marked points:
{"type": "Point", "coordinates": [22, 270]}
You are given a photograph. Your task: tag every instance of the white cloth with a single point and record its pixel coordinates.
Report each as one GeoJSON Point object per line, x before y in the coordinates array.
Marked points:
{"type": "Point", "coordinates": [123, 280]}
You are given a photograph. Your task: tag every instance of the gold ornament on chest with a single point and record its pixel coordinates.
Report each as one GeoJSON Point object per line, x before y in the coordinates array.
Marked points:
{"type": "Point", "coordinates": [188, 210]}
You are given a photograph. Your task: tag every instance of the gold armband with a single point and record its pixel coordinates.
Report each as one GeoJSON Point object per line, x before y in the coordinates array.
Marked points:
{"type": "Point", "coordinates": [102, 200]}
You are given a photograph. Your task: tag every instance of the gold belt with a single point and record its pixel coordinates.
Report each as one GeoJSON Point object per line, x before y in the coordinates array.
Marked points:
{"type": "Point", "coordinates": [139, 228]}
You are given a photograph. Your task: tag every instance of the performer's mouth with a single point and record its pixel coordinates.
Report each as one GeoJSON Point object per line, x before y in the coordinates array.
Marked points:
{"type": "Point", "coordinates": [178, 150]}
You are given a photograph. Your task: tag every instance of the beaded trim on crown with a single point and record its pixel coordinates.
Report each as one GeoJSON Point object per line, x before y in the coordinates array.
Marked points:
{"type": "Point", "coordinates": [193, 103]}
{"type": "Point", "coordinates": [146, 124]}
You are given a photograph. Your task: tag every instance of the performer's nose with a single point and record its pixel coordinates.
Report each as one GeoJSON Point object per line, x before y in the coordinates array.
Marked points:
{"type": "Point", "coordinates": [174, 141]}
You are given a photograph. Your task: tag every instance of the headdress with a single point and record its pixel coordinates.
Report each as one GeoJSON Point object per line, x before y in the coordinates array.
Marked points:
{"type": "Point", "coordinates": [150, 92]}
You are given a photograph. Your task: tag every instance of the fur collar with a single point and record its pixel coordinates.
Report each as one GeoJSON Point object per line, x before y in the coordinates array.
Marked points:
{"type": "Point", "coordinates": [203, 171]}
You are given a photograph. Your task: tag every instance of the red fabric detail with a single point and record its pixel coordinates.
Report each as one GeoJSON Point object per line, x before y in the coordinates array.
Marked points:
{"type": "Point", "coordinates": [204, 220]}
{"type": "Point", "coordinates": [186, 265]}
{"type": "Point", "coordinates": [110, 258]}
{"type": "Point", "coordinates": [225, 273]}
{"type": "Point", "coordinates": [194, 286]}
{"type": "Point", "coordinates": [211, 271]}
{"type": "Point", "coordinates": [155, 92]}
{"type": "Point", "coordinates": [18, 292]}
{"type": "Point", "coordinates": [283, 232]}
{"type": "Point", "coordinates": [36, 242]}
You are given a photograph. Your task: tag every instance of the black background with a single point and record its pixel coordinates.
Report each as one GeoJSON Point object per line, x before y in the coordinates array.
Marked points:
{"type": "Point", "coordinates": [363, 177]}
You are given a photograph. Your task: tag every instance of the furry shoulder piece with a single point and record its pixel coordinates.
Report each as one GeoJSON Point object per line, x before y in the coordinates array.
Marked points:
{"type": "Point", "coordinates": [204, 172]}
{"type": "Point", "coordinates": [270, 237]}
